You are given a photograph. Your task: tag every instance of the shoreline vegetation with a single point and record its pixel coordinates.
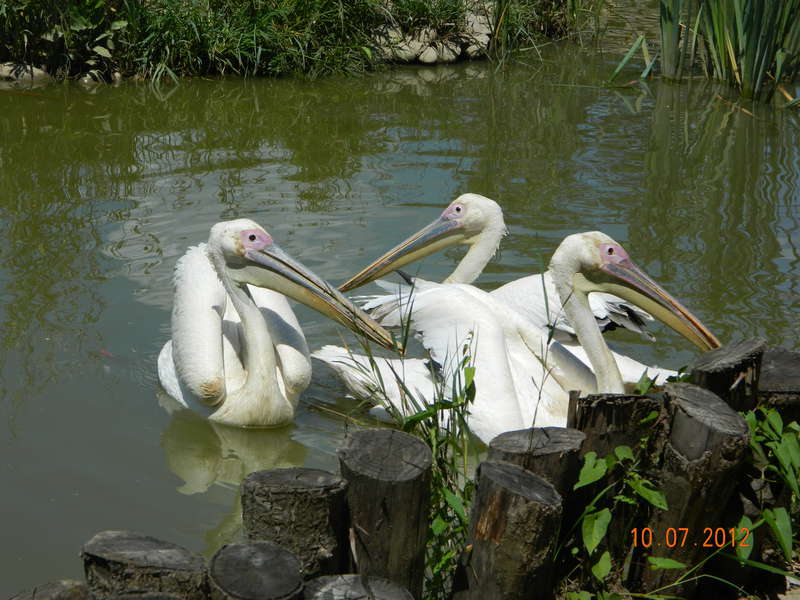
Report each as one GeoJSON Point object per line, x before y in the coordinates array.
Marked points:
{"type": "Point", "coordinates": [107, 40]}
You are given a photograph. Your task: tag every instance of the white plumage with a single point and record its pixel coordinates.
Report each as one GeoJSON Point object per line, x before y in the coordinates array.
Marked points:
{"type": "Point", "coordinates": [237, 352]}
{"type": "Point", "coordinates": [522, 376]}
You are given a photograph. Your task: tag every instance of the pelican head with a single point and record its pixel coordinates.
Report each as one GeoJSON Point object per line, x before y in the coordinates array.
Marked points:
{"type": "Point", "coordinates": [463, 222]}
{"type": "Point", "coordinates": [245, 253]}
{"type": "Point", "coordinates": [594, 262]}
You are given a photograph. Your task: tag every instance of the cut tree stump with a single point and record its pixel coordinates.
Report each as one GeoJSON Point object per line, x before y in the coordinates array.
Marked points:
{"type": "Point", "coordinates": [149, 596]}
{"type": "Point", "coordinates": [66, 589]}
{"type": "Point", "coordinates": [611, 420]}
{"type": "Point", "coordinates": [354, 587]}
{"type": "Point", "coordinates": [304, 511]}
{"type": "Point", "coordinates": [707, 443]}
{"type": "Point", "coordinates": [550, 452]}
{"type": "Point", "coordinates": [119, 562]}
{"type": "Point", "coordinates": [779, 385]}
{"type": "Point", "coordinates": [388, 474]}
{"type": "Point", "coordinates": [254, 571]}
{"type": "Point", "coordinates": [514, 524]}
{"type": "Point", "coordinates": [731, 372]}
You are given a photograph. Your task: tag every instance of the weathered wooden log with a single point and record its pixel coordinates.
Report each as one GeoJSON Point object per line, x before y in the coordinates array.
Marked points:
{"type": "Point", "coordinates": [611, 420]}
{"type": "Point", "coordinates": [388, 474]}
{"type": "Point", "coordinates": [117, 562]}
{"type": "Point", "coordinates": [254, 571]}
{"type": "Point", "coordinates": [514, 524]}
{"type": "Point", "coordinates": [148, 596]}
{"type": "Point", "coordinates": [702, 458]}
{"type": "Point", "coordinates": [354, 587]}
{"type": "Point", "coordinates": [779, 384]}
{"type": "Point", "coordinates": [304, 511]}
{"type": "Point", "coordinates": [731, 372]}
{"type": "Point", "coordinates": [550, 452]}
{"type": "Point", "coordinates": [56, 590]}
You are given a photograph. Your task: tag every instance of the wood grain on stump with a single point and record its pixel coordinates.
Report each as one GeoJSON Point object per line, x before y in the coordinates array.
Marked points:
{"type": "Point", "coordinates": [254, 571]}
{"type": "Point", "coordinates": [388, 474]}
{"type": "Point", "coordinates": [779, 384]}
{"type": "Point", "coordinates": [148, 596]}
{"type": "Point", "coordinates": [354, 587]}
{"type": "Point", "coordinates": [611, 420]}
{"type": "Point", "coordinates": [118, 562]}
{"type": "Point", "coordinates": [66, 589]}
{"type": "Point", "coordinates": [731, 372]}
{"type": "Point", "coordinates": [702, 458]}
{"type": "Point", "coordinates": [550, 452]}
{"type": "Point", "coordinates": [514, 524]}
{"type": "Point", "coordinates": [304, 511]}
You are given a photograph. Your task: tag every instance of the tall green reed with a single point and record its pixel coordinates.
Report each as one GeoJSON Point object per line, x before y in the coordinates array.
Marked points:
{"type": "Point", "coordinates": [754, 45]}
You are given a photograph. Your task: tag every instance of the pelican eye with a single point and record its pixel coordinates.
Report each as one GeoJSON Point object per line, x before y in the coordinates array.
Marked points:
{"type": "Point", "coordinates": [458, 209]}
{"type": "Point", "coordinates": [610, 250]}
{"type": "Point", "coordinates": [254, 239]}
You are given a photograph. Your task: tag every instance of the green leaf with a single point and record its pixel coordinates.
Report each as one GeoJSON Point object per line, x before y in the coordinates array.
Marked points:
{"type": "Point", "coordinates": [102, 51]}
{"type": "Point", "coordinates": [743, 552]}
{"type": "Point", "coordinates": [790, 442]}
{"type": "Point", "coordinates": [116, 25]}
{"type": "Point", "coordinates": [758, 565]}
{"type": "Point", "coordinates": [367, 52]}
{"type": "Point", "coordinates": [646, 490]}
{"type": "Point", "coordinates": [644, 384]}
{"type": "Point", "coordinates": [778, 520]}
{"type": "Point", "coordinates": [652, 416]}
{"type": "Point", "coordinates": [626, 58]}
{"type": "Point", "coordinates": [660, 562]}
{"type": "Point", "coordinates": [602, 567]}
{"type": "Point", "coordinates": [438, 525]}
{"type": "Point", "coordinates": [623, 452]}
{"type": "Point", "coordinates": [775, 422]}
{"type": "Point", "coordinates": [469, 375]}
{"type": "Point", "coordinates": [594, 528]}
{"type": "Point", "coordinates": [582, 595]}
{"type": "Point", "coordinates": [591, 471]}
{"type": "Point", "coordinates": [456, 504]}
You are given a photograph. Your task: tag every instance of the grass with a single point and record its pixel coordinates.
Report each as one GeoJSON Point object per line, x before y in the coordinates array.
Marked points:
{"type": "Point", "coordinates": [160, 39]}
{"type": "Point", "coordinates": [753, 45]}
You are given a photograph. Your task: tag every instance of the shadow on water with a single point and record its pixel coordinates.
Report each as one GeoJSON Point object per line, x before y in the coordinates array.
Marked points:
{"type": "Point", "coordinates": [103, 189]}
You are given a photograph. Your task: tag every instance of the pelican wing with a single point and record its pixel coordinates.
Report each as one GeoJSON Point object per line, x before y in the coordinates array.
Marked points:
{"type": "Point", "coordinates": [455, 321]}
{"type": "Point", "coordinates": [536, 298]}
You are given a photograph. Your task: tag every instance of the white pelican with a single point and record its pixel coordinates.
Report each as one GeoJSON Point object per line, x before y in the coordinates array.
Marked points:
{"type": "Point", "coordinates": [477, 222]}
{"type": "Point", "coordinates": [237, 352]}
{"type": "Point", "coordinates": [522, 377]}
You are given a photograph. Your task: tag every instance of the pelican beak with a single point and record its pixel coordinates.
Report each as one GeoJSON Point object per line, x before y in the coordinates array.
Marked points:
{"type": "Point", "coordinates": [625, 279]}
{"type": "Point", "coordinates": [290, 278]}
{"type": "Point", "coordinates": [442, 233]}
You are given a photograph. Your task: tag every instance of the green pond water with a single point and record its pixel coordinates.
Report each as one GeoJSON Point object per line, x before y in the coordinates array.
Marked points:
{"type": "Point", "coordinates": [101, 190]}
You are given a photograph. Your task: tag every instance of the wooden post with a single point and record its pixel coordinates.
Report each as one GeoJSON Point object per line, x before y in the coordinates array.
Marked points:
{"type": "Point", "coordinates": [514, 523]}
{"type": "Point", "coordinates": [611, 420]}
{"type": "Point", "coordinates": [116, 562]}
{"type": "Point", "coordinates": [779, 385]}
{"type": "Point", "coordinates": [352, 587]}
{"type": "Point", "coordinates": [731, 372]}
{"type": "Point", "coordinates": [147, 596]}
{"type": "Point", "coordinates": [254, 571]}
{"type": "Point", "coordinates": [304, 511]}
{"type": "Point", "coordinates": [388, 474]}
{"type": "Point", "coordinates": [550, 452]}
{"type": "Point", "coordinates": [702, 456]}
{"type": "Point", "coordinates": [65, 589]}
